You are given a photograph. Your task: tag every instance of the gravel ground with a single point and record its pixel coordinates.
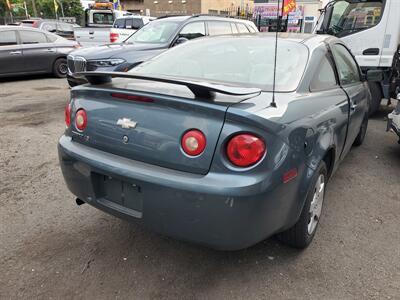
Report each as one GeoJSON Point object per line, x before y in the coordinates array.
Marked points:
{"type": "Point", "coordinates": [51, 248]}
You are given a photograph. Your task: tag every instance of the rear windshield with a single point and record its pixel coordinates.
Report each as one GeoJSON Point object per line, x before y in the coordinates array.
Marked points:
{"type": "Point", "coordinates": [243, 61]}
{"type": "Point", "coordinates": [103, 18]}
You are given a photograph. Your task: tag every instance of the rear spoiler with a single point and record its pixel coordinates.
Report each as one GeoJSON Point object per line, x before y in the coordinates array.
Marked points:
{"type": "Point", "coordinates": [199, 89]}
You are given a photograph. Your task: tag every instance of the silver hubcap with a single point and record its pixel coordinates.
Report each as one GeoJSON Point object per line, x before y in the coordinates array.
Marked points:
{"type": "Point", "coordinates": [63, 68]}
{"type": "Point", "coordinates": [316, 204]}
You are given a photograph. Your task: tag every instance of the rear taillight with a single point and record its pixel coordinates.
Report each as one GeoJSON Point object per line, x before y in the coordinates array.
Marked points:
{"type": "Point", "coordinates": [67, 114]}
{"type": "Point", "coordinates": [81, 119]}
{"type": "Point", "coordinates": [193, 142]}
{"type": "Point", "coordinates": [245, 150]}
{"type": "Point", "coordinates": [114, 37]}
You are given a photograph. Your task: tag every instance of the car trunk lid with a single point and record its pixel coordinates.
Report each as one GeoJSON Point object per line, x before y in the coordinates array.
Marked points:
{"type": "Point", "coordinates": [145, 121]}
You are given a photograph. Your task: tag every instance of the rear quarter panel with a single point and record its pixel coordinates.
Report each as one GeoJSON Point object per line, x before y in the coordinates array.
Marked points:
{"type": "Point", "coordinates": [298, 134]}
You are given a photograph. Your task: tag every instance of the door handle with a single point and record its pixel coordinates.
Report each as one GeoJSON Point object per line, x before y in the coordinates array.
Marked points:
{"type": "Point", "coordinates": [15, 52]}
{"type": "Point", "coordinates": [353, 106]}
{"type": "Point", "coordinates": [50, 51]}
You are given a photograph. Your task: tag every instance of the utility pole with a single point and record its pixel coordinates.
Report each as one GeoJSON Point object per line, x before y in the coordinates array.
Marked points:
{"type": "Point", "coordinates": [26, 10]}
{"type": "Point", "coordinates": [62, 8]}
{"type": "Point", "coordinates": [34, 8]}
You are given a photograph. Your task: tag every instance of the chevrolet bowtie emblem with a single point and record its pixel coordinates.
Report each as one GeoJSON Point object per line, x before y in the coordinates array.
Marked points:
{"type": "Point", "coordinates": [126, 123]}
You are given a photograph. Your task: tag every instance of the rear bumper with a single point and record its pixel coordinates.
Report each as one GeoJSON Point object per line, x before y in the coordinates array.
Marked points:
{"type": "Point", "coordinates": [217, 210]}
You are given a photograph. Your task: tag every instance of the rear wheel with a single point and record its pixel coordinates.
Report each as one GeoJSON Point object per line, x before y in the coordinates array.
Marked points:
{"type": "Point", "coordinates": [376, 93]}
{"type": "Point", "coordinates": [60, 68]}
{"type": "Point", "coordinates": [302, 233]}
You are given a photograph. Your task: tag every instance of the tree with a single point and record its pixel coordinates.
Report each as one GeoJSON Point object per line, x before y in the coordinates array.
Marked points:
{"type": "Point", "coordinates": [3, 9]}
{"type": "Point", "coordinates": [73, 8]}
{"type": "Point", "coordinates": [44, 8]}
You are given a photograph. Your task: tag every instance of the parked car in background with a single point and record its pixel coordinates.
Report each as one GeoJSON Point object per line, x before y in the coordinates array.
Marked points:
{"type": "Point", "coordinates": [33, 51]}
{"type": "Point", "coordinates": [152, 39]}
{"type": "Point", "coordinates": [394, 119]}
{"type": "Point", "coordinates": [124, 27]}
{"type": "Point", "coordinates": [238, 163]}
{"type": "Point", "coordinates": [98, 22]}
{"type": "Point", "coordinates": [63, 29]}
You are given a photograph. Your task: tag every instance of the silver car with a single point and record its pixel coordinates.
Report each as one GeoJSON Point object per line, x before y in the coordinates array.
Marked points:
{"type": "Point", "coordinates": [33, 51]}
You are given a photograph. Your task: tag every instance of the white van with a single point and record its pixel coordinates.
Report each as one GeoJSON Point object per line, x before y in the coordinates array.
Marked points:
{"type": "Point", "coordinates": [125, 26]}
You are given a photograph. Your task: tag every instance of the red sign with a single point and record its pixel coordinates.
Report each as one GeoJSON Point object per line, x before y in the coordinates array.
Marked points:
{"type": "Point", "coordinates": [288, 6]}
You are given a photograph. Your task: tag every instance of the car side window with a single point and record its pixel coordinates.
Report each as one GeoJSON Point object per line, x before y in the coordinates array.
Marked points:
{"type": "Point", "coordinates": [242, 28]}
{"type": "Point", "coordinates": [65, 27]}
{"type": "Point", "coordinates": [119, 23]}
{"type": "Point", "coordinates": [218, 28]}
{"type": "Point", "coordinates": [32, 37]}
{"type": "Point", "coordinates": [52, 37]}
{"type": "Point", "coordinates": [234, 28]}
{"type": "Point", "coordinates": [8, 38]}
{"type": "Point", "coordinates": [346, 65]}
{"type": "Point", "coordinates": [134, 23]}
{"type": "Point", "coordinates": [251, 28]}
{"type": "Point", "coordinates": [324, 78]}
{"type": "Point", "coordinates": [193, 30]}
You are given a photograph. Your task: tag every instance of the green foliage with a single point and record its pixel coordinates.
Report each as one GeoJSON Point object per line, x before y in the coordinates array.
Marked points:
{"type": "Point", "coordinates": [44, 8]}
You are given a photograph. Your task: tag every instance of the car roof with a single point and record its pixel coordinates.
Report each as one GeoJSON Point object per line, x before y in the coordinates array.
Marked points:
{"type": "Point", "coordinates": [135, 17]}
{"type": "Point", "coordinates": [200, 17]}
{"type": "Point", "coordinates": [311, 41]}
{"type": "Point", "coordinates": [20, 28]}
{"type": "Point", "coordinates": [218, 18]}
{"type": "Point", "coordinates": [308, 39]}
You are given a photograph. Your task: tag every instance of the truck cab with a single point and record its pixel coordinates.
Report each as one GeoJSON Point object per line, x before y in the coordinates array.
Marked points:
{"type": "Point", "coordinates": [99, 18]}
{"type": "Point", "coordinates": [371, 29]}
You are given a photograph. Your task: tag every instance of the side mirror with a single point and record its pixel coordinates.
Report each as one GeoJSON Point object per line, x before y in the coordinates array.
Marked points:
{"type": "Point", "coordinates": [181, 40]}
{"type": "Point", "coordinates": [374, 75]}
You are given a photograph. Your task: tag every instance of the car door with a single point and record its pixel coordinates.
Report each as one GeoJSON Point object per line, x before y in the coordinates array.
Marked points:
{"type": "Point", "coordinates": [350, 81]}
{"type": "Point", "coordinates": [11, 61]}
{"type": "Point", "coordinates": [38, 52]}
{"type": "Point", "coordinates": [326, 92]}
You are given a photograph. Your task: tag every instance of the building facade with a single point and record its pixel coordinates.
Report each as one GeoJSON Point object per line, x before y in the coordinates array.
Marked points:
{"type": "Point", "coordinates": [157, 8]}
{"type": "Point", "coordinates": [302, 19]}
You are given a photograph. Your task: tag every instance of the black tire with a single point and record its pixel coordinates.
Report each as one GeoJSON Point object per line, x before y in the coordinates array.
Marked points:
{"type": "Point", "coordinates": [361, 135]}
{"type": "Point", "coordinates": [376, 97]}
{"type": "Point", "coordinates": [60, 68]}
{"type": "Point", "coordinates": [299, 236]}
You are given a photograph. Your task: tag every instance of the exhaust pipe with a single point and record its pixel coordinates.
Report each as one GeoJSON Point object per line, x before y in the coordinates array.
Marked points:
{"type": "Point", "coordinates": [79, 202]}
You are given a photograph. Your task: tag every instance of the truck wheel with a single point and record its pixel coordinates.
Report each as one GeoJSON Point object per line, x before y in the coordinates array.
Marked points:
{"type": "Point", "coordinates": [60, 68]}
{"type": "Point", "coordinates": [376, 93]}
{"type": "Point", "coordinates": [302, 233]}
{"type": "Point", "coordinates": [361, 135]}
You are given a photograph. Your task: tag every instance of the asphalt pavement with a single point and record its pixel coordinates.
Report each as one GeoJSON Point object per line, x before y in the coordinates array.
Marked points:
{"type": "Point", "coordinates": [51, 249]}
